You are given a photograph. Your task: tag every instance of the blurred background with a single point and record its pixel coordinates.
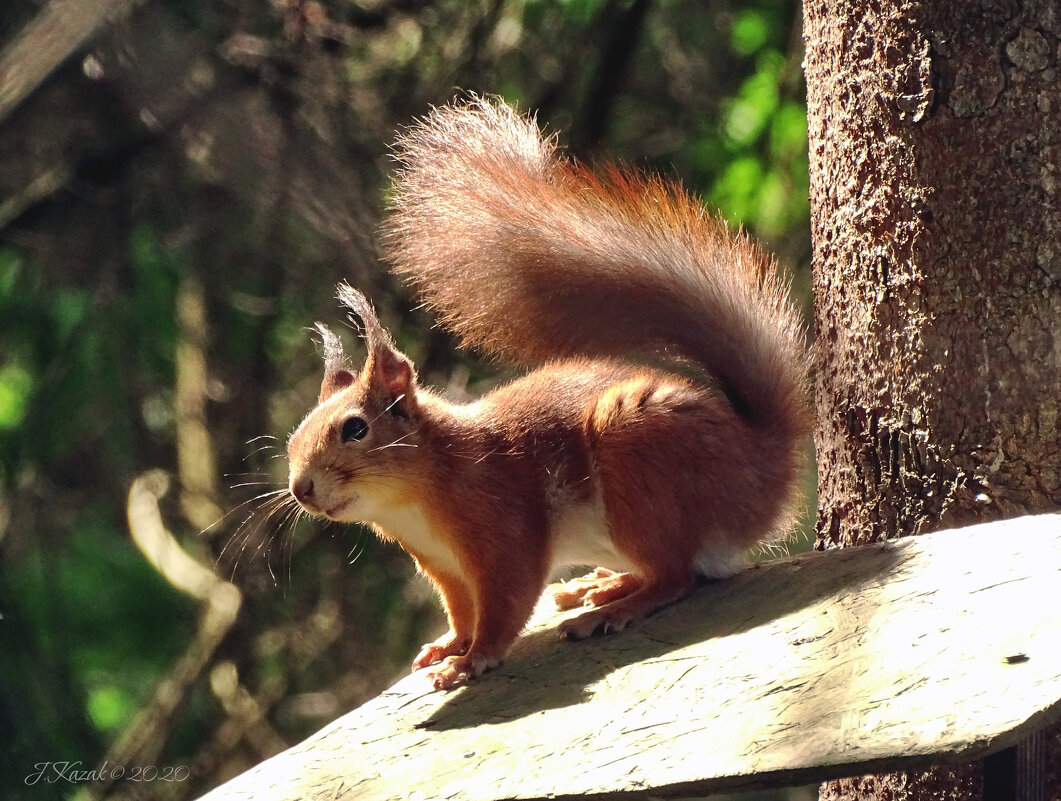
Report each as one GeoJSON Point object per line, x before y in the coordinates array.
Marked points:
{"type": "Point", "coordinates": [182, 184]}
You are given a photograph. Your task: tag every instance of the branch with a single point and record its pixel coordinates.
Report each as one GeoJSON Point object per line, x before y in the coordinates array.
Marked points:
{"type": "Point", "coordinates": [142, 741]}
{"type": "Point", "coordinates": [59, 31]}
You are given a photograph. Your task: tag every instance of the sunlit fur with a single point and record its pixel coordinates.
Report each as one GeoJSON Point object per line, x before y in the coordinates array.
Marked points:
{"type": "Point", "coordinates": [657, 434]}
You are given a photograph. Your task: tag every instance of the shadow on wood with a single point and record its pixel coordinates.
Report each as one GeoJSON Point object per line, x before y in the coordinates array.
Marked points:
{"type": "Point", "coordinates": [892, 656]}
{"type": "Point", "coordinates": [563, 674]}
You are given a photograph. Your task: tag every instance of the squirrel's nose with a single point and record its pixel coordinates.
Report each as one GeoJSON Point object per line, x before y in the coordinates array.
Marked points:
{"type": "Point", "coordinates": [302, 489]}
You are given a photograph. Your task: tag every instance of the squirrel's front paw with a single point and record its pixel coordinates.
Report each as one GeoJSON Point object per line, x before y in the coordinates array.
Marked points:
{"type": "Point", "coordinates": [458, 670]}
{"type": "Point", "coordinates": [434, 652]}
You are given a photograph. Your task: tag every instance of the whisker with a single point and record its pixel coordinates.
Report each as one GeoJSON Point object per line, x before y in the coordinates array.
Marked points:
{"type": "Point", "coordinates": [242, 535]}
{"type": "Point", "coordinates": [265, 543]}
{"type": "Point", "coordinates": [479, 458]}
{"type": "Point", "coordinates": [269, 567]}
{"type": "Point", "coordinates": [235, 509]}
{"type": "Point", "coordinates": [390, 406]}
{"type": "Point", "coordinates": [295, 515]}
{"type": "Point", "coordinates": [267, 447]}
{"type": "Point", "coordinates": [252, 440]}
{"type": "Point", "coordinates": [395, 444]}
{"type": "Point", "coordinates": [360, 546]}
{"type": "Point", "coordinates": [377, 480]}
{"type": "Point", "coordinates": [392, 445]}
{"type": "Point", "coordinates": [269, 504]}
{"type": "Point", "coordinates": [291, 516]}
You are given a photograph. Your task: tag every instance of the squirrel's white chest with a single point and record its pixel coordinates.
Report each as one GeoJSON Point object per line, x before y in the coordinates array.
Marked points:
{"type": "Point", "coordinates": [412, 529]}
{"type": "Point", "coordinates": [580, 537]}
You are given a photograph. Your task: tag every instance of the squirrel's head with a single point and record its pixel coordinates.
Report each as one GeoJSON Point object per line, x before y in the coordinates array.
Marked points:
{"type": "Point", "coordinates": [352, 449]}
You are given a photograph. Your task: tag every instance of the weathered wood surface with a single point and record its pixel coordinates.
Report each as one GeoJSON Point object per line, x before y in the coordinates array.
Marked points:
{"type": "Point", "coordinates": [893, 656]}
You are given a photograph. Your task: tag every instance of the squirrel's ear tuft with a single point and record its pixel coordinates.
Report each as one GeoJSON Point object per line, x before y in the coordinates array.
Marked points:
{"type": "Point", "coordinates": [357, 304]}
{"type": "Point", "coordinates": [387, 372]}
{"type": "Point", "coordinates": [332, 347]}
{"type": "Point", "coordinates": [337, 374]}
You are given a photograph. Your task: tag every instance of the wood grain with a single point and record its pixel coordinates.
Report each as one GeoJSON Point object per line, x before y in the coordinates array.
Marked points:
{"type": "Point", "coordinates": [890, 656]}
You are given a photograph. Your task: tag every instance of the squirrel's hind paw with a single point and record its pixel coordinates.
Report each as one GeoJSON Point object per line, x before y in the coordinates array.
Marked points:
{"type": "Point", "coordinates": [597, 588]}
{"type": "Point", "coordinates": [622, 599]}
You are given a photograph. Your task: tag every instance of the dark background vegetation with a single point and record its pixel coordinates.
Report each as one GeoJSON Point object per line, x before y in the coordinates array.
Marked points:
{"type": "Point", "coordinates": [177, 202]}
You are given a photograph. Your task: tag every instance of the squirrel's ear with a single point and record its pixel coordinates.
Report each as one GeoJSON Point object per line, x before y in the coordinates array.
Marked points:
{"type": "Point", "coordinates": [390, 375]}
{"type": "Point", "coordinates": [333, 382]}
{"type": "Point", "coordinates": [337, 374]}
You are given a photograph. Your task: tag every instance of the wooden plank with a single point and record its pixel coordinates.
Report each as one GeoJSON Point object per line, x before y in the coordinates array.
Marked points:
{"type": "Point", "coordinates": [892, 656]}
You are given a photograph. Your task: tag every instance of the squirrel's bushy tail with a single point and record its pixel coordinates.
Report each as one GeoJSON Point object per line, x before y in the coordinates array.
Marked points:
{"type": "Point", "coordinates": [530, 257]}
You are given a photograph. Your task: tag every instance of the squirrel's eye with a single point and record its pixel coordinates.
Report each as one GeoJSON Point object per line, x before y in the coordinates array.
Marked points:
{"type": "Point", "coordinates": [353, 428]}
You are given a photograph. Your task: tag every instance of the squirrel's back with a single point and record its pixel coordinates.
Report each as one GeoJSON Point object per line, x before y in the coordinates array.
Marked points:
{"type": "Point", "coordinates": [530, 257]}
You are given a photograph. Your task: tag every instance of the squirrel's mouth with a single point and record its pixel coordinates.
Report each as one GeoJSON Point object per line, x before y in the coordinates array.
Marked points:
{"type": "Point", "coordinates": [338, 509]}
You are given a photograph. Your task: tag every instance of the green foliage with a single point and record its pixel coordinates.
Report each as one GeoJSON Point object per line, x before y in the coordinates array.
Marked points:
{"type": "Point", "coordinates": [155, 272]}
{"type": "Point", "coordinates": [16, 385]}
{"type": "Point", "coordinates": [103, 604]}
{"type": "Point", "coordinates": [579, 11]}
{"type": "Point", "coordinates": [752, 155]}
{"type": "Point", "coordinates": [16, 382]}
{"type": "Point", "coordinates": [750, 32]}
{"type": "Point", "coordinates": [72, 364]}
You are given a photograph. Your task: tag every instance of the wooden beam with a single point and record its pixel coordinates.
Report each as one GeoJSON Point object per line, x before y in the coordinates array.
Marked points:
{"type": "Point", "coordinates": [891, 656]}
{"type": "Point", "coordinates": [59, 31]}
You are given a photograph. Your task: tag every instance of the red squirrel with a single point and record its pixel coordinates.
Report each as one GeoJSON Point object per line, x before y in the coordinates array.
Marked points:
{"type": "Point", "coordinates": [657, 433]}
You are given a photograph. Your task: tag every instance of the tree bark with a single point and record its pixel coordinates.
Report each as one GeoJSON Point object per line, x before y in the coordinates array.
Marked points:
{"type": "Point", "coordinates": [935, 158]}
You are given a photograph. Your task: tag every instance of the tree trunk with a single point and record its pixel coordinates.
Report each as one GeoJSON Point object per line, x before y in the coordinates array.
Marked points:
{"type": "Point", "coordinates": [935, 158]}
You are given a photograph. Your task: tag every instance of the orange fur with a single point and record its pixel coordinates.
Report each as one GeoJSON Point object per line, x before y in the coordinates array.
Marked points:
{"type": "Point", "coordinates": [658, 434]}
